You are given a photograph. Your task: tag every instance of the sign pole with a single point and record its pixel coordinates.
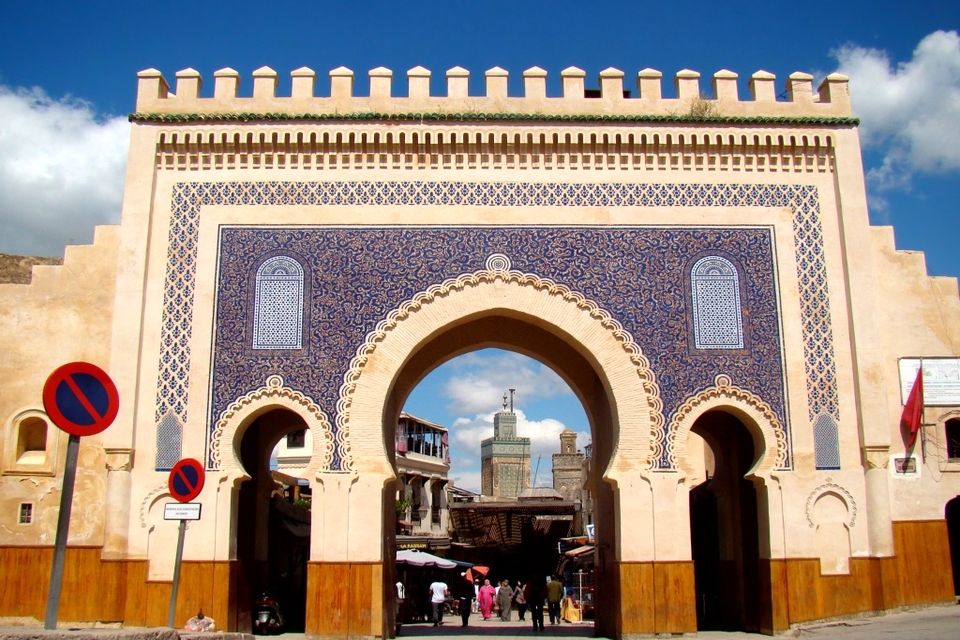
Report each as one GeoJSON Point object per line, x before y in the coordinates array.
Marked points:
{"type": "Point", "coordinates": [63, 527]}
{"type": "Point", "coordinates": [171, 612]}
{"type": "Point", "coordinates": [82, 400]}
{"type": "Point", "coordinates": [185, 483]}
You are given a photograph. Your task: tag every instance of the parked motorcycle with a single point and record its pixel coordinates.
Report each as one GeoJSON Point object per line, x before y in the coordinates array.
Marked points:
{"type": "Point", "coordinates": [267, 618]}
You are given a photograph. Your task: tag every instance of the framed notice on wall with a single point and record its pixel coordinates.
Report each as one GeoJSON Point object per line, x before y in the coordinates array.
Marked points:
{"type": "Point", "coordinates": [941, 380]}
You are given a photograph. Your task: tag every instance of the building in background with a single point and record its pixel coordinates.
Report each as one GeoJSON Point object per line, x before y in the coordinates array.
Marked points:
{"type": "Point", "coordinates": [568, 467]}
{"type": "Point", "coordinates": [504, 458]}
{"type": "Point", "coordinates": [423, 464]}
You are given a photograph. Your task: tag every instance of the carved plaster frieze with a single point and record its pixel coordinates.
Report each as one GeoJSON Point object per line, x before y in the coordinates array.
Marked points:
{"type": "Point", "coordinates": [275, 394]}
{"type": "Point", "coordinates": [876, 457]}
{"type": "Point", "coordinates": [148, 501]}
{"type": "Point", "coordinates": [831, 487]}
{"type": "Point", "coordinates": [724, 389]}
{"type": "Point", "coordinates": [119, 459]}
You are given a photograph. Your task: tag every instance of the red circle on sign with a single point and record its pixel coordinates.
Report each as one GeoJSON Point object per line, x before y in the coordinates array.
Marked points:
{"type": "Point", "coordinates": [81, 399]}
{"type": "Point", "coordinates": [186, 480]}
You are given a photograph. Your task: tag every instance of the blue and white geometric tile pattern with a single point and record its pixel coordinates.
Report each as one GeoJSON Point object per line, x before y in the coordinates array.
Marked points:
{"type": "Point", "coordinates": [572, 258]}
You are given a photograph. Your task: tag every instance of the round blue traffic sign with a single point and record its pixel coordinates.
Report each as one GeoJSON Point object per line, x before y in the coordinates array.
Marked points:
{"type": "Point", "coordinates": [186, 480]}
{"type": "Point", "coordinates": [81, 399]}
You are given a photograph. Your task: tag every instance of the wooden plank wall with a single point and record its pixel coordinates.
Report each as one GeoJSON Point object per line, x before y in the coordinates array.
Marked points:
{"type": "Point", "coordinates": [25, 573]}
{"type": "Point", "coordinates": [660, 596]}
{"type": "Point", "coordinates": [774, 596]}
{"type": "Point", "coordinates": [110, 590]}
{"type": "Point", "coordinates": [920, 573]}
{"type": "Point", "coordinates": [344, 599]}
{"type": "Point", "coordinates": [813, 596]}
{"type": "Point", "coordinates": [674, 595]}
{"type": "Point", "coordinates": [636, 587]}
{"type": "Point", "coordinates": [923, 553]}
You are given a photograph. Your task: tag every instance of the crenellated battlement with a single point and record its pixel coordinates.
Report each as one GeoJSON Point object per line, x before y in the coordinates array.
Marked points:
{"type": "Point", "coordinates": [155, 100]}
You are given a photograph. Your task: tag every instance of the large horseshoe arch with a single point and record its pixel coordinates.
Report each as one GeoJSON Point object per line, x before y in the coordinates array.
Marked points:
{"type": "Point", "coordinates": [605, 373]}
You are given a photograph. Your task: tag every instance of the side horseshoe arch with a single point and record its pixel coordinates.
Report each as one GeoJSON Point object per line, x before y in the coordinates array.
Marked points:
{"type": "Point", "coordinates": [757, 415]}
{"type": "Point", "coordinates": [632, 383]}
{"type": "Point", "coordinates": [273, 395]}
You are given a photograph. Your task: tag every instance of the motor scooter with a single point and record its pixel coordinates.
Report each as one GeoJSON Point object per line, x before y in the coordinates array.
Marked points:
{"type": "Point", "coordinates": [267, 618]}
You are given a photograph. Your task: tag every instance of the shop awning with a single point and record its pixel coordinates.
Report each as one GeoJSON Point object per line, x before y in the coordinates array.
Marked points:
{"type": "Point", "coordinates": [579, 551]}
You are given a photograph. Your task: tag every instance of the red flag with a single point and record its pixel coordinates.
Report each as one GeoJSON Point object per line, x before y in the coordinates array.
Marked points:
{"type": "Point", "coordinates": [913, 409]}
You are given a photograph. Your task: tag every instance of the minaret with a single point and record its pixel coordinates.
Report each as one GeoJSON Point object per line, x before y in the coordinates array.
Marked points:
{"type": "Point", "coordinates": [568, 467]}
{"type": "Point", "coordinates": [505, 458]}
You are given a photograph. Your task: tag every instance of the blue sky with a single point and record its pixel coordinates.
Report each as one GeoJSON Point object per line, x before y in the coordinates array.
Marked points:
{"type": "Point", "coordinates": [68, 80]}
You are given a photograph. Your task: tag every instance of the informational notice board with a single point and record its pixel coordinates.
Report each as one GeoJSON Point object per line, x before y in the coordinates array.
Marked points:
{"type": "Point", "coordinates": [941, 380]}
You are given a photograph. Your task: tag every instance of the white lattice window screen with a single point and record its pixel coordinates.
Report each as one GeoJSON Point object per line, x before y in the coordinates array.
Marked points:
{"type": "Point", "coordinates": [169, 442]}
{"type": "Point", "coordinates": [826, 443]}
{"type": "Point", "coordinates": [278, 305]}
{"type": "Point", "coordinates": [717, 316]}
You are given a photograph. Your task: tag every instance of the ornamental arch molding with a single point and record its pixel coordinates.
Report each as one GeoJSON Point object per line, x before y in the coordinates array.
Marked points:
{"type": "Point", "coordinates": [234, 421]}
{"type": "Point", "coordinates": [768, 434]}
{"type": "Point", "coordinates": [636, 407]}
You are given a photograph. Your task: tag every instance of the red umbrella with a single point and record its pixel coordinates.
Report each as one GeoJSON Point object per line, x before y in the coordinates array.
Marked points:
{"type": "Point", "coordinates": [476, 570]}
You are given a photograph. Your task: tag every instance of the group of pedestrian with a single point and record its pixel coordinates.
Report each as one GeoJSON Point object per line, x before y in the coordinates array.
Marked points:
{"type": "Point", "coordinates": [532, 596]}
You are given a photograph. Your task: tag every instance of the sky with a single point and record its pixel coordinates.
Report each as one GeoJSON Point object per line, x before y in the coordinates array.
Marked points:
{"type": "Point", "coordinates": [68, 81]}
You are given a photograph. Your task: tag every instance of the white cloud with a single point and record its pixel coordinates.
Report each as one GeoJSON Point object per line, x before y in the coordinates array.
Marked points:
{"type": "Point", "coordinates": [61, 171]}
{"type": "Point", "coordinates": [469, 480]}
{"type": "Point", "coordinates": [910, 111]}
{"type": "Point", "coordinates": [478, 381]}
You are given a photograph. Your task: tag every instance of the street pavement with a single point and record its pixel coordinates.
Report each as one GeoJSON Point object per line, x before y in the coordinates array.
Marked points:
{"type": "Point", "coordinates": [935, 623]}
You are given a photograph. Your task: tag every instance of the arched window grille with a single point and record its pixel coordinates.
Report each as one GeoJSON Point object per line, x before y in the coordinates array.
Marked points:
{"type": "Point", "coordinates": [278, 305]}
{"type": "Point", "coordinates": [826, 443]}
{"type": "Point", "coordinates": [717, 316]}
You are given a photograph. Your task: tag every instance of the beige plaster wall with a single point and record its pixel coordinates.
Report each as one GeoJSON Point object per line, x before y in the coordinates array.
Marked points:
{"type": "Point", "coordinates": [64, 315]}
{"type": "Point", "coordinates": [920, 317]}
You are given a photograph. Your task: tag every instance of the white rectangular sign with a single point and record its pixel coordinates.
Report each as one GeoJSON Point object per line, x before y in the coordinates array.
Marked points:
{"type": "Point", "coordinates": [941, 380]}
{"type": "Point", "coordinates": [181, 511]}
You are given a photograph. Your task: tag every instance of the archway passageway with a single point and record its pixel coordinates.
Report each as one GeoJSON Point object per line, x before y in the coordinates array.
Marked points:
{"type": "Point", "coordinates": [531, 554]}
{"type": "Point", "coordinates": [272, 529]}
{"type": "Point", "coordinates": [952, 515]}
{"type": "Point", "coordinates": [724, 528]}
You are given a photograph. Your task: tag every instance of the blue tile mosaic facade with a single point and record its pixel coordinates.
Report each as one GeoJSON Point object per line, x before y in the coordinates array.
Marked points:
{"type": "Point", "coordinates": [360, 275]}
{"type": "Point", "coordinates": [637, 274]}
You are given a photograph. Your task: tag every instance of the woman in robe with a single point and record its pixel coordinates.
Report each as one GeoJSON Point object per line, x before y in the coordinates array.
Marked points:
{"type": "Point", "coordinates": [570, 608]}
{"type": "Point", "coordinates": [505, 600]}
{"type": "Point", "coordinates": [485, 597]}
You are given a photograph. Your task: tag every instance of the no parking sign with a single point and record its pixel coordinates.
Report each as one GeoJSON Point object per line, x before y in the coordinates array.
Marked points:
{"type": "Point", "coordinates": [81, 399]}
{"type": "Point", "coordinates": [186, 480]}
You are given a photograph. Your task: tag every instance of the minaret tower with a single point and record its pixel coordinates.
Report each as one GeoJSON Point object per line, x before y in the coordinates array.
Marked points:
{"type": "Point", "coordinates": [568, 467]}
{"type": "Point", "coordinates": [505, 458]}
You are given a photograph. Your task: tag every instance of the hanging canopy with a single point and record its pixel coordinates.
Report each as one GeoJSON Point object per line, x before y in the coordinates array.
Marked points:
{"type": "Point", "coordinates": [414, 558]}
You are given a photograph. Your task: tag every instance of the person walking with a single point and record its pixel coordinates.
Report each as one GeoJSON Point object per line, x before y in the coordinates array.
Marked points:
{"type": "Point", "coordinates": [485, 596]}
{"type": "Point", "coordinates": [521, 600]}
{"type": "Point", "coordinates": [554, 596]}
{"type": "Point", "coordinates": [438, 595]}
{"type": "Point", "coordinates": [505, 600]}
{"type": "Point", "coordinates": [535, 592]}
{"type": "Point", "coordinates": [463, 592]}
